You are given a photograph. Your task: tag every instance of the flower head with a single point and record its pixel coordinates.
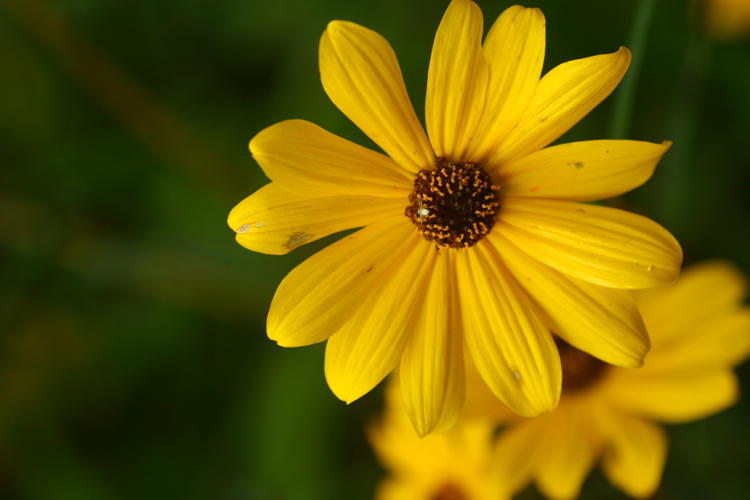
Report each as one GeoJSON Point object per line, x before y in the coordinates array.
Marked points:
{"type": "Point", "coordinates": [699, 332]}
{"type": "Point", "coordinates": [474, 238]}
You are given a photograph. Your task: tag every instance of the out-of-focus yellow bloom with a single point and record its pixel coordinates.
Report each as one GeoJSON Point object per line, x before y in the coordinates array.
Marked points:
{"type": "Point", "coordinates": [728, 18]}
{"type": "Point", "coordinates": [453, 465]}
{"type": "Point", "coordinates": [699, 332]}
{"type": "Point", "coordinates": [464, 224]}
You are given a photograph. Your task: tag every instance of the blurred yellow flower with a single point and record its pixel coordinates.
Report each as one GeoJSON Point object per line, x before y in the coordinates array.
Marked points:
{"type": "Point", "coordinates": [699, 332]}
{"type": "Point", "coordinates": [728, 18]}
{"type": "Point", "coordinates": [453, 465]}
{"type": "Point", "coordinates": [464, 225]}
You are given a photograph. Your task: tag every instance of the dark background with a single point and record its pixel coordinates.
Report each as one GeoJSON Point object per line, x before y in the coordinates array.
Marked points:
{"type": "Point", "coordinates": [133, 356]}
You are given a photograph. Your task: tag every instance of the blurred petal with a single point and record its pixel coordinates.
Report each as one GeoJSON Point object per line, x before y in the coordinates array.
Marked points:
{"type": "Point", "coordinates": [362, 77]}
{"type": "Point", "coordinates": [519, 450]}
{"type": "Point", "coordinates": [722, 342]}
{"type": "Point", "coordinates": [635, 458]}
{"type": "Point", "coordinates": [399, 489]}
{"type": "Point", "coordinates": [601, 321]}
{"type": "Point", "coordinates": [397, 446]}
{"type": "Point", "coordinates": [432, 364]}
{"type": "Point", "coordinates": [514, 50]}
{"type": "Point", "coordinates": [481, 403]}
{"type": "Point", "coordinates": [565, 95]}
{"type": "Point", "coordinates": [275, 221]}
{"type": "Point", "coordinates": [457, 80]}
{"type": "Point", "coordinates": [369, 346]}
{"type": "Point", "coordinates": [509, 345]}
{"type": "Point", "coordinates": [727, 286]}
{"type": "Point", "coordinates": [582, 171]}
{"type": "Point", "coordinates": [320, 295]}
{"type": "Point", "coordinates": [672, 397]}
{"type": "Point", "coordinates": [570, 448]}
{"type": "Point", "coordinates": [303, 158]}
{"type": "Point", "coordinates": [601, 245]}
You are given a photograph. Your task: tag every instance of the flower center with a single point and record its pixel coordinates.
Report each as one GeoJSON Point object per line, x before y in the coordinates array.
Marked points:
{"type": "Point", "coordinates": [579, 370]}
{"type": "Point", "coordinates": [453, 204]}
{"type": "Point", "coordinates": [449, 491]}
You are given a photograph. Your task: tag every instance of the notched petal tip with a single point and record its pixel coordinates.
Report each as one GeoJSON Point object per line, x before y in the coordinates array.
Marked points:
{"type": "Point", "coordinates": [625, 58]}
{"type": "Point", "coordinates": [537, 12]}
{"type": "Point", "coordinates": [522, 9]}
{"type": "Point", "coordinates": [337, 25]}
{"type": "Point", "coordinates": [464, 3]}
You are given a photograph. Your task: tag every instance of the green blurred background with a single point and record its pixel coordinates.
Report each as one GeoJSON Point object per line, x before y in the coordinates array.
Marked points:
{"type": "Point", "coordinates": [133, 357]}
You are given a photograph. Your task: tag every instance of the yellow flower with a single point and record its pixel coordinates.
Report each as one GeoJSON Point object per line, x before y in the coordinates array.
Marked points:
{"type": "Point", "coordinates": [699, 331]}
{"type": "Point", "coordinates": [474, 238]}
{"type": "Point", "coordinates": [728, 18]}
{"type": "Point", "coordinates": [454, 465]}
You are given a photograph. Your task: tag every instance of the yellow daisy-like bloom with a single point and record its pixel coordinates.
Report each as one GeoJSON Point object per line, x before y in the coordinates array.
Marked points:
{"type": "Point", "coordinates": [699, 332]}
{"type": "Point", "coordinates": [728, 18]}
{"type": "Point", "coordinates": [474, 238]}
{"type": "Point", "coordinates": [454, 465]}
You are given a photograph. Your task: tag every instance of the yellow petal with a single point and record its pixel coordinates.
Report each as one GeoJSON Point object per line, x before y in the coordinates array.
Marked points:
{"type": "Point", "coordinates": [275, 221]}
{"type": "Point", "coordinates": [514, 50]}
{"type": "Point", "coordinates": [320, 295]}
{"type": "Point", "coordinates": [456, 81]}
{"type": "Point", "coordinates": [583, 171]}
{"type": "Point", "coordinates": [303, 158]}
{"type": "Point", "coordinates": [369, 346]}
{"type": "Point", "coordinates": [634, 460]}
{"type": "Point", "coordinates": [565, 95]}
{"type": "Point", "coordinates": [511, 348]}
{"type": "Point", "coordinates": [362, 77]}
{"type": "Point", "coordinates": [432, 364]}
{"type": "Point", "coordinates": [601, 321]}
{"type": "Point", "coordinates": [569, 452]}
{"type": "Point", "coordinates": [601, 245]}
{"type": "Point", "coordinates": [689, 296]}
{"type": "Point", "coordinates": [672, 397]}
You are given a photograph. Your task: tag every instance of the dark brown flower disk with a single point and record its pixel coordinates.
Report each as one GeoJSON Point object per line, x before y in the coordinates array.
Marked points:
{"type": "Point", "coordinates": [579, 370]}
{"type": "Point", "coordinates": [454, 204]}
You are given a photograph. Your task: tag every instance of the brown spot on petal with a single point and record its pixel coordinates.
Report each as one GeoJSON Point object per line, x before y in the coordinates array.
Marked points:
{"type": "Point", "coordinates": [296, 239]}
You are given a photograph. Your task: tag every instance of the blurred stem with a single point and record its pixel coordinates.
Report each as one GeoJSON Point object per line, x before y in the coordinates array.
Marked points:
{"type": "Point", "coordinates": [623, 114]}
{"type": "Point", "coordinates": [678, 170]}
